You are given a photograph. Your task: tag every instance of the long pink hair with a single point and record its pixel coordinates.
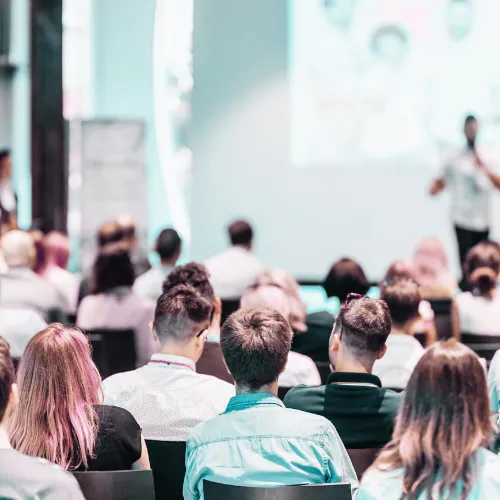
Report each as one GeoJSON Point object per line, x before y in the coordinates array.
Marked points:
{"type": "Point", "coordinates": [58, 386]}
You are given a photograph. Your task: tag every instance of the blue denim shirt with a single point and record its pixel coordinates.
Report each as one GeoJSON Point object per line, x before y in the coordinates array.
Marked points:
{"type": "Point", "coordinates": [259, 442]}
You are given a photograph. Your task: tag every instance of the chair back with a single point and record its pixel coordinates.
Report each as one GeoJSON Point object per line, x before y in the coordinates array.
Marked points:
{"type": "Point", "coordinates": [167, 459]}
{"type": "Point", "coordinates": [442, 317]}
{"type": "Point", "coordinates": [362, 459]}
{"type": "Point", "coordinates": [113, 351]}
{"type": "Point", "coordinates": [485, 346]}
{"type": "Point", "coordinates": [422, 338]}
{"type": "Point", "coordinates": [282, 392]}
{"type": "Point", "coordinates": [116, 485]}
{"type": "Point", "coordinates": [229, 306]}
{"type": "Point", "coordinates": [217, 491]}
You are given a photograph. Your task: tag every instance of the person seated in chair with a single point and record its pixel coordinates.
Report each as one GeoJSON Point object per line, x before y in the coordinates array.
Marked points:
{"type": "Point", "coordinates": [402, 296]}
{"type": "Point", "coordinates": [257, 441]}
{"type": "Point", "coordinates": [353, 399]}
{"type": "Point", "coordinates": [167, 397]}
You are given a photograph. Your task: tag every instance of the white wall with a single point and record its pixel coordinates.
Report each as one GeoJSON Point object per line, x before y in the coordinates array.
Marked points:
{"type": "Point", "coordinates": [240, 139]}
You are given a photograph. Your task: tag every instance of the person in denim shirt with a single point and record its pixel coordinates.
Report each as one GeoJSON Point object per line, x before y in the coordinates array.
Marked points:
{"type": "Point", "coordinates": [257, 441]}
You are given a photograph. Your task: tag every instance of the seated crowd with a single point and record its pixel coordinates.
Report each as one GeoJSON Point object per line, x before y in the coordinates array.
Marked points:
{"type": "Point", "coordinates": [397, 414]}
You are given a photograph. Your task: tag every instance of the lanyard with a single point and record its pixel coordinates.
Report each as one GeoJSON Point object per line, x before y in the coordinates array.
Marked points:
{"type": "Point", "coordinates": [162, 362]}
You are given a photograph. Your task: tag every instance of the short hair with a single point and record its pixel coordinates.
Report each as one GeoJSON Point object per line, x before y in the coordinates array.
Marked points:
{"type": "Point", "coordinates": [400, 269]}
{"type": "Point", "coordinates": [18, 247]}
{"type": "Point", "coordinates": [7, 375]}
{"type": "Point", "coordinates": [179, 312]}
{"type": "Point", "coordinates": [193, 274]}
{"type": "Point", "coordinates": [109, 232]}
{"type": "Point", "coordinates": [365, 325]}
{"type": "Point", "coordinates": [255, 344]}
{"type": "Point", "coordinates": [470, 119]}
{"type": "Point", "coordinates": [168, 244]}
{"type": "Point", "coordinates": [344, 277]}
{"type": "Point", "coordinates": [402, 297]}
{"type": "Point", "coordinates": [112, 268]}
{"type": "Point", "coordinates": [240, 233]}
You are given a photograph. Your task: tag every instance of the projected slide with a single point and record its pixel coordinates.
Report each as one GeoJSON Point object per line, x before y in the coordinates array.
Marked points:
{"type": "Point", "coordinates": [389, 82]}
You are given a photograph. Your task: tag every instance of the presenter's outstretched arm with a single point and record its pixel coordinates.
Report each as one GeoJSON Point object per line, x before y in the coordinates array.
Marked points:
{"type": "Point", "coordinates": [437, 186]}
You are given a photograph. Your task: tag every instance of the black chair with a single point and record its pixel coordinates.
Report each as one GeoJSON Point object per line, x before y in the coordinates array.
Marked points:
{"type": "Point", "coordinates": [116, 485]}
{"type": "Point", "coordinates": [167, 459]}
{"type": "Point", "coordinates": [362, 459]}
{"type": "Point", "coordinates": [216, 491]}
{"type": "Point", "coordinates": [485, 346]}
{"type": "Point", "coordinates": [113, 351]}
{"type": "Point", "coordinates": [422, 338]}
{"type": "Point", "coordinates": [282, 392]}
{"type": "Point", "coordinates": [229, 306]}
{"type": "Point", "coordinates": [442, 317]}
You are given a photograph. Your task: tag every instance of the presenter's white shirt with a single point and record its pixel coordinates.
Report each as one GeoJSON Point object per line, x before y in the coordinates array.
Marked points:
{"type": "Point", "coordinates": [471, 189]}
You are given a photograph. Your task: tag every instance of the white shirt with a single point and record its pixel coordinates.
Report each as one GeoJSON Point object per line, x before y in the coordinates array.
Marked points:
{"type": "Point", "coordinates": [494, 383]}
{"type": "Point", "coordinates": [233, 271]}
{"type": "Point", "coordinates": [150, 284]}
{"type": "Point", "coordinates": [300, 369]}
{"type": "Point", "coordinates": [66, 283]}
{"type": "Point", "coordinates": [471, 190]}
{"type": "Point", "coordinates": [478, 314]}
{"type": "Point", "coordinates": [18, 326]}
{"type": "Point", "coordinates": [167, 397]}
{"type": "Point", "coordinates": [121, 310]}
{"type": "Point", "coordinates": [402, 355]}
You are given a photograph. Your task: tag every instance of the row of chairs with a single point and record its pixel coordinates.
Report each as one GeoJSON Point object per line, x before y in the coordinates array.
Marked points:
{"type": "Point", "coordinates": [133, 485]}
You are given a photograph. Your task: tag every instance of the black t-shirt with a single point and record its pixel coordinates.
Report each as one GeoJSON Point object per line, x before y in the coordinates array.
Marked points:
{"type": "Point", "coordinates": [118, 443]}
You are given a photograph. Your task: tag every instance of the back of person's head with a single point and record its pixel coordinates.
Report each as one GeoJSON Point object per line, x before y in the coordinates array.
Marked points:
{"type": "Point", "coordinates": [482, 266]}
{"type": "Point", "coordinates": [298, 310]}
{"type": "Point", "coordinates": [112, 268]}
{"type": "Point", "coordinates": [168, 245]}
{"type": "Point", "coordinates": [109, 232]}
{"type": "Point", "coordinates": [400, 269]}
{"type": "Point", "coordinates": [430, 260]}
{"type": "Point", "coordinates": [363, 325]}
{"type": "Point", "coordinates": [344, 277]}
{"type": "Point", "coordinates": [7, 377]}
{"type": "Point", "coordinates": [18, 248]}
{"type": "Point", "coordinates": [128, 227]}
{"type": "Point", "coordinates": [182, 314]}
{"type": "Point", "coordinates": [58, 386]}
{"type": "Point", "coordinates": [57, 249]}
{"type": "Point", "coordinates": [443, 421]}
{"type": "Point", "coordinates": [193, 274]}
{"type": "Point", "coordinates": [266, 296]}
{"type": "Point", "coordinates": [255, 344]}
{"type": "Point", "coordinates": [240, 233]}
{"type": "Point", "coordinates": [403, 298]}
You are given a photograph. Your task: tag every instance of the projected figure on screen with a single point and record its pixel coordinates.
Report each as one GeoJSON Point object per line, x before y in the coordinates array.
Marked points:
{"type": "Point", "coordinates": [395, 91]}
{"type": "Point", "coordinates": [460, 17]}
{"type": "Point", "coordinates": [340, 12]}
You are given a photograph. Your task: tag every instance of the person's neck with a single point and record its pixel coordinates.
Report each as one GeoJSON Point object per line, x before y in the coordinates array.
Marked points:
{"type": "Point", "coordinates": [349, 364]}
{"type": "Point", "coordinates": [4, 436]}
{"type": "Point", "coordinates": [266, 389]}
{"type": "Point", "coordinates": [181, 351]}
{"type": "Point", "coordinates": [490, 294]}
{"type": "Point", "coordinates": [247, 248]}
{"type": "Point", "coordinates": [168, 262]}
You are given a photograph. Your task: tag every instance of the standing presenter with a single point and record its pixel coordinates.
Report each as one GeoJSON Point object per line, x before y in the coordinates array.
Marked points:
{"type": "Point", "coordinates": [471, 175]}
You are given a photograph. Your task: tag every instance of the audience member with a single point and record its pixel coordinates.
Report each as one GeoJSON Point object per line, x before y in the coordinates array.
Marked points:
{"type": "Point", "coordinates": [39, 257]}
{"type": "Point", "coordinates": [138, 256]}
{"type": "Point", "coordinates": [8, 197]}
{"type": "Point", "coordinates": [211, 361]}
{"type": "Point", "coordinates": [109, 232]}
{"type": "Point", "coordinates": [235, 269]}
{"type": "Point", "coordinates": [54, 269]}
{"type": "Point", "coordinates": [479, 310]}
{"type": "Point", "coordinates": [431, 270]}
{"type": "Point", "coordinates": [353, 399]}
{"type": "Point", "coordinates": [168, 247]}
{"type": "Point", "coordinates": [344, 277]}
{"type": "Point", "coordinates": [439, 444]}
{"type": "Point", "coordinates": [299, 369]}
{"type": "Point", "coordinates": [257, 441]}
{"type": "Point", "coordinates": [23, 477]}
{"type": "Point", "coordinates": [59, 416]}
{"type": "Point", "coordinates": [20, 286]}
{"type": "Point", "coordinates": [113, 305]}
{"type": "Point", "coordinates": [402, 297]}
{"type": "Point", "coordinates": [167, 397]}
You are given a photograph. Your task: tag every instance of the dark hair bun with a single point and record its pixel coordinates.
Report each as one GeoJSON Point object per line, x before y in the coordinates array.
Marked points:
{"type": "Point", "coordinates": [483, 280]}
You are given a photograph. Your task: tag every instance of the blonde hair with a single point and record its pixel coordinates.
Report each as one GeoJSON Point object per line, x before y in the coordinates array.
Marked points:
{"type": "Point", "coordinates": [58, 386]}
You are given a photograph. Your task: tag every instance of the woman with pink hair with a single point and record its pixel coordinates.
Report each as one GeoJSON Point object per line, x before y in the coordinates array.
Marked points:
{"type": "Point", "coordinates": [300, 369]}
{"type": "Point", "coordinates": [59, 416]}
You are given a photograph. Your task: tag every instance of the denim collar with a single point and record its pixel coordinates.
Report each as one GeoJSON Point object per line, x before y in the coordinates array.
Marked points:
{"type": "Point", "coordinates": [252, 400]}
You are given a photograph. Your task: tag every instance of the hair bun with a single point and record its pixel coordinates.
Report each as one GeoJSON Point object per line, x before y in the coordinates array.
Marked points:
{"type": "Point", "coordinates": [484, 280]}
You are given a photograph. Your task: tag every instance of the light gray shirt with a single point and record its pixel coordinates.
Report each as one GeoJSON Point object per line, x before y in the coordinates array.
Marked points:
{"type": "Point", "coordinates": [149, 285]}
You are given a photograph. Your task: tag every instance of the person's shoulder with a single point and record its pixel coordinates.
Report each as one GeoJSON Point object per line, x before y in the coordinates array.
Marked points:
{"type": "Point", "coordinates": [109, 414]}
{"type": "Point", "coordinates": [215, 384]}
{"type": "Point", "coordinates": [301, 396]}
{"type": "Point", "coordinates": [391, 400]}
{"type": "Point", "coordinates": [120, 381]}
{"type": "Point", "coordinates": [489, 467]}
{"type": "Point", "coordinates": [311, 425]}
{"type": "Point", "coordinates": [378, 484]}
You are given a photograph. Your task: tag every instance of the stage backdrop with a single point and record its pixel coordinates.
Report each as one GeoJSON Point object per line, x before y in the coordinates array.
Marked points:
{"type": "Point", "coordinates": [324, 123]}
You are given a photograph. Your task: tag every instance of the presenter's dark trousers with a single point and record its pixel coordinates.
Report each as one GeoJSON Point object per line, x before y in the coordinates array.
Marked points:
{"type": "Point", "coordinates": [467, 239]}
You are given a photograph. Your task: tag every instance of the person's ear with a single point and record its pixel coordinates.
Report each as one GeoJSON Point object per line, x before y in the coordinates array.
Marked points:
{"type": "Point", "coordinates": [153, 333]}
{"type": "Point", "coordinates": [381, 354]}
{"type": "Point", "coordinates": [201, 340]}
{"type": "Point", "coordinates": [217, 306]}
{"type": "Point", "coordinates": [335, 342]}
